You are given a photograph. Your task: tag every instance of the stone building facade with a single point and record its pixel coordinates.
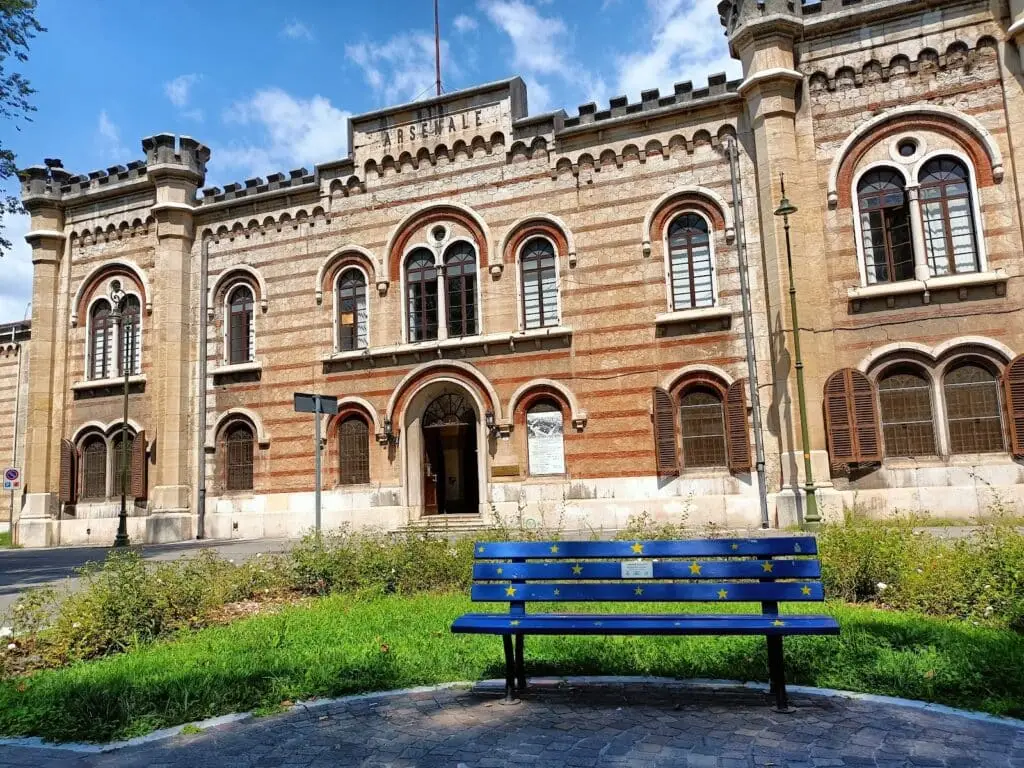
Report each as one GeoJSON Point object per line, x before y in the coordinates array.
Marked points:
{"type": "Point", "coordinates": [540, 318]}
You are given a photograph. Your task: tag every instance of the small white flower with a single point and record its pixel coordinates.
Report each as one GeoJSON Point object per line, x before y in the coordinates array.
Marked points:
{"type": "Point", "coordinates": [988, 610]}
{"type": "Point", "coordinates": [12, 646]}
{"type": "Point", "coordinates": [76, 625]}
{"type": "Point", "coordinates": [6, 632]}
{"type": "Point", "coordinates": [882, 586]}
{"type": "Point", "coordinates": [919, 570]}
{"type": "Point", "coordinates": [259, 554]}
{"type": "Point", "coordinates": [231, 561]}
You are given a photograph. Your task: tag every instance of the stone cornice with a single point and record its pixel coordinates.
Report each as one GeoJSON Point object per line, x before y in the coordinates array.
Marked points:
{"type": "Point", "coordinates": [768, 75]}
{"type": "Point", "coordinates": [44, 234]}
{"type": "Point", "coordinates": [1016, 30]}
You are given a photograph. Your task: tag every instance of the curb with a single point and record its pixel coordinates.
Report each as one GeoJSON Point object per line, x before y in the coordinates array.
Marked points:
{"type": "Point", "coordinates": [498, 685]}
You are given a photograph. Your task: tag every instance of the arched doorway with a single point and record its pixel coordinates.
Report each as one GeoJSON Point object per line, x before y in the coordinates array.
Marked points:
{"type": "Point", "coordinates": [449, 455]}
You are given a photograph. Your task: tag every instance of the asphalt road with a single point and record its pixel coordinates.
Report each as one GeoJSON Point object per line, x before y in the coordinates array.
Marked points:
{"type": "Point", "coordinates": [21, 569]}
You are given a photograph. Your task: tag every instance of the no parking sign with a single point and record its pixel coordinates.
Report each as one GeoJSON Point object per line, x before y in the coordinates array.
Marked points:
{"type": "Point", "coordinates": [12, 479]}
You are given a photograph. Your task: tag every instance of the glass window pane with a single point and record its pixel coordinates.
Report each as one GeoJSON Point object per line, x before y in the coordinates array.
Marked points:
{"type": "Point", "coordinates": [702, 425]}
{"type": "Point", "coordinates": [906, 408]}
{"type": "Point", "coordinates": [973, 410]}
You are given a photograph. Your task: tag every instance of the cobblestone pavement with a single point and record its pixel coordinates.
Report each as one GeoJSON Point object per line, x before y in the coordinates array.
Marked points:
{"type": "Point", "coordinates": [608, 725]}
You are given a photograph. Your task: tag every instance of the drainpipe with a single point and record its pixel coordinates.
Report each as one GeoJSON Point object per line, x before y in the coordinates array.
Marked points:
{"type": "Point", "coordinates": [17, 408]}
{"type": "Point", "coordinates": [204, 259]}
{"type": "Point", "coordinates": [748, 329]}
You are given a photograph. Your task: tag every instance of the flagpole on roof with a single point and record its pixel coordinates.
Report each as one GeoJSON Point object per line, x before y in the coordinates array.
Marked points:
{"type": "Point", "coordinates": [437, 48]}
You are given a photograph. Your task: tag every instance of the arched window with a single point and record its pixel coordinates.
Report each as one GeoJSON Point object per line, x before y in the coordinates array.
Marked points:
{"type": "Point", "coordinates": [131, 337]}
{"type": "Point", "coordinates": [689, 251]}
{"type": "Point", "coordinates": [101, 341]}
{"type": "Point", "coordinates": [352, 314]}
{"type": "Point", "coordinates": [241, 332]}
{"type": "Point", "coordinates": [702, 424]}
{"type": "Point", "coordinates": [947, 211]}
{"type": "Point", "coordinates": [353, 451]}
{"type": "Point", "coordinates": [973, 410]}
{"type": "Point", "coordinates": [460, 289]}
{"type": "Point", "coordinates": [421, 295]}
{"type": "Point", "coordinates": [885, 227]}
{"type": "Point", "coordinates": [545, 438]}
{"type": "Point", "coordinates": [904, 397]}
{"type": "Point", "coordinates": [238, 450]}
{"type": "Point", "coordinates": [539, 284]}
{"type": "Point", "coordinates": [94, 468]}
{"type": "Point", "coordinates": [121, 463]}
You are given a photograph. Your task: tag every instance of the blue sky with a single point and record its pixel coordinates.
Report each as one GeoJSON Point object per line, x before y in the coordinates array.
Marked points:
{"type": "Point", "coordinates": [269, 85]}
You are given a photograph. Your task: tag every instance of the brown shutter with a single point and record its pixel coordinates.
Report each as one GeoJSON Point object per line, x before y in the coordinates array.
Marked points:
{"type": "Point", "coordinates": [1013, 393]}
{"type": "Point", "coordinates": [138, 466]}
{"type": "Point", "coordinates": [665, 434]}
{"type": "Point", "coordinates": [851, 420]}
{"type": "Point", "coordinates": [67, 472]}
{"type": "Point", "coordinates": [736, 432]}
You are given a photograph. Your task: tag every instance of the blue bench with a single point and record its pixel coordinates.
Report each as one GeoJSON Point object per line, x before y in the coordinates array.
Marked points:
{"type": "Point", "coordinates": [768, 571]}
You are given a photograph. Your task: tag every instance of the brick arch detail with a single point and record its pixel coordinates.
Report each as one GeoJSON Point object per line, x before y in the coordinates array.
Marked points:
{"type": "Point", "coordinates": [531, 391]}
{"type": "Point", "coordinates": [434, 215]}
{"type": "Point", "coordinates": [542, 225]}
{"type": "Point", "coordinates": [692, 375]}
{"type": "Point", "coordinates": [349, 255]}
{"type": "Point", "coordinates": [121, 268]}
{"type": "Point", "coordinates": [982, 151]}
{"type": "Point", "coordinates": [232, 276]}
{"type": "Point", "coordinates": [536, 394]}
{"type": "Point", "coordinates": [701, 199]}
{"type": "Point", "coordinates": [464, 374]}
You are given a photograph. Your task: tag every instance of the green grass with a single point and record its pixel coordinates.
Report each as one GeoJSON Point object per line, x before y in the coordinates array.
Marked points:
{"type": "Point", "coordinates": [5, 539]}
{"type": "Point", "coordinates": [344, 644]}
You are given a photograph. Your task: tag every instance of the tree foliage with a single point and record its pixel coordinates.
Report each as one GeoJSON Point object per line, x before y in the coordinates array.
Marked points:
{"type": "Point", "coordinates": [18, 25]}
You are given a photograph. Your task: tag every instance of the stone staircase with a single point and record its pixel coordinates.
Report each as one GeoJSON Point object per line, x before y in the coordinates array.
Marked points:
{"type": "Point", "coordinates": [445, 524]}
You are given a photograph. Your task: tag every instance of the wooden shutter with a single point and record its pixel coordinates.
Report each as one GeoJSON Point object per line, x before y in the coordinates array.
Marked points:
{"type": "Point", "coordinates": [67, 472]}
{"type": "Point", "coordinates": [1013, 391]}
{"type": "Point", "coordinates": [138, 466]}
{"type": "Point", "coordinates": [665, 451]}
{"type": "Point", "coordinates": [851, 419]}
{"type": "Point", "coordinates": [736, 432]}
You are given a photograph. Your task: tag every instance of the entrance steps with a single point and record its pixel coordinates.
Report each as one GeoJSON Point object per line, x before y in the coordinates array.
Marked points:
{"type": "Point", "coordinates": [442, 524]}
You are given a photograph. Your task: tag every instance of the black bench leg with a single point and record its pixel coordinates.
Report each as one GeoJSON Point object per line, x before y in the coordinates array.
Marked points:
{"type": "Point", "coordinates": [520, 664]}
{"type": "Point", "coordinates": [777, 672]}
{"type": "Point", "coordinates": [510, 672]}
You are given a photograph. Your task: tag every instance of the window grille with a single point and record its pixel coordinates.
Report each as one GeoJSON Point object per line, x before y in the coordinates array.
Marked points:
{"type": "Point", "coordinates": [885, 227]}
{"type": "Point", "coordinates": [94, 468]}
{"type": "Point", "coordinates": [973, 410]}
{"type": "Point", "coordinates": [702, 424]}
{"type": "Point", "coordinates": [354, 451]}
{"type": "Point", "coordinates": [907, 425]}
{"type": "Point", "coordinates": [540, 284]}
{"type": "Point", "coordinates": [238, 446]}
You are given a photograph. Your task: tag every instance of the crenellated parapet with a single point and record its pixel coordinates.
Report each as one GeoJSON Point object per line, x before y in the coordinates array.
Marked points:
{"type": "Point", "coordinates": [167, 151]}
{"type": "Point", "coordinates": [299, 177]}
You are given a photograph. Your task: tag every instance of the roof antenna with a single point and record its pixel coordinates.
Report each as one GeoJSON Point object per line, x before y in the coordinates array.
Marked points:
{"type": "Point", "coordinates": [437, 48]}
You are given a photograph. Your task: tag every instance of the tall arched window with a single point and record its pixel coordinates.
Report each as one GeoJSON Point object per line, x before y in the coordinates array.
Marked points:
{"type": "Point", "coordinates": [101, 341]}
{"type": "Point", "coordinates": [460, 289]}
{"type": "Point", "coordinates": [904, 397]}
{"type": "Point", "coordinates": [353, 451]}
{"type": "Point", "coordinates": [702, 424]}
{"type": "Point", "coordinates": [973, 410]}
{"type": "Point", "coordinates": [545, 438]}
{"type": "Point", "coordinates": [238, 449]}
{"type": "Point", "coordinates": [948, 215]}
{"type": "Point", "coordinates": [131, 337]}
{"type": "Point", "coordinates": [885, 227]}
{"type": "Point", "coordinates": [121, 463]}
{"type": "Point", "coordinates": [689, 251]}
{"type": "Point", "coordinates": [539, 277]}
{"type": "Point", "coordinates": [94, 468]}
{"type": "Point", "coordinates": [241, 332]}
{"type": "Point", "coordinates": [421, 295]}
{"type": "Point", "coordinates": [352, 314]}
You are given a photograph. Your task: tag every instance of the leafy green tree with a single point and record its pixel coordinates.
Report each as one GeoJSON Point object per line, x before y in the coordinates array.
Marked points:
{"type": "Point", "coordinates": [18, 26]}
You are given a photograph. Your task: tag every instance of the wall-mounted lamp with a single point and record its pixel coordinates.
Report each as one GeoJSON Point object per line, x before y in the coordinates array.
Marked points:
{"type": "Point", "coordinates": [492, 426]}
{"type": "Point", "coordinates": [389, 434]}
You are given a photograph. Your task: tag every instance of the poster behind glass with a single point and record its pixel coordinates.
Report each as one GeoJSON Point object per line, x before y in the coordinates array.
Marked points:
{"type": "Point", "coordinates": [545, 443]}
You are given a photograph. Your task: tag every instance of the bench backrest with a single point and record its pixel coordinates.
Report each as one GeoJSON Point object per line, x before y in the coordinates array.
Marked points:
{"type": "Point", "coordinates": [767, 570]}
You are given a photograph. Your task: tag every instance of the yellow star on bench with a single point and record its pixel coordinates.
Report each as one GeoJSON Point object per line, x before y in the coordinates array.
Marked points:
{"type": "Point", "coordinates": [597, 623]}
{"type": "Point", "coordinates": [695, 568]}
{"type": "Point", "coordinates": [767, 567]}
{"type": "Point", "coordinates": [638, 548]}
{"type": "Point", "coordinates": [510, 592]}
{"type": "Point", "coordinates": [558, 592]}
{"type": "Point", "coordinates": [480, 550]}
{"type": "Point", "coordinates": [577, 569]}
{"type": "Point", "coordinates": [500, 571]}
{"type": "Point", "coordinates": [735, 547]}
{"type": "Point", "coordinates": [722, 594]}
{"type": "Point", "coordinates": [805, 589]}
{"type": "Point", "coordinates": [638, 591]}
{"type": "Point", "coordinates": [778, 623]}
{"type": "Point", "coordinates": [514, 623]}
{"type": "Point", "coordinates": [554, 549]}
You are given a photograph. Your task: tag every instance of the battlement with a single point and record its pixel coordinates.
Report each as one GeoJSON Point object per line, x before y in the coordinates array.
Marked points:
{"type": "Point", "coordinates": [168, 149]}
{"type": "Point", "coordinates": [683, 93]}
{"type": "Point", "coordinates": [736, 13]}
{"type": "Point", "coordinates": [257, 185]}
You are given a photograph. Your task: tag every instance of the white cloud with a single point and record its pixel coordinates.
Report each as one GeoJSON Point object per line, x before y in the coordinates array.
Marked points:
{"type": "Point", "coordinates": [464, 23]}
{"type": "Point", "coordinates": [294, 132]}
{"type": "Point", "coordinates": [179, 90]}
{"type": "Point", "coordinates": [16, 287]}
{"type": "Point", "coordinates": [108, 138]}
{"type": "Point", "coordinates": [402, 69]}
{"type": "Point", "coordinates": [687, 44]}
{"type": "Point", "coordinates": [296, 30]}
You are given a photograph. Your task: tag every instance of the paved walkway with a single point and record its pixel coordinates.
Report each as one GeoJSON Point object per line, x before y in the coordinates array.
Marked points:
{"type": "Point", "coordinates": [608, 725]}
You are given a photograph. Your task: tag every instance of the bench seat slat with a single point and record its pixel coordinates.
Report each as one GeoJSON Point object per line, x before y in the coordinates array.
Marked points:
{"type": "Point", "coordinates": [676, 569]}
{"type": "Point", "coordinates": [645, 591]}
{"type": "Point", "coordinates": [645, 624]}
{"type": "Point", "coordinates": [540, 550]}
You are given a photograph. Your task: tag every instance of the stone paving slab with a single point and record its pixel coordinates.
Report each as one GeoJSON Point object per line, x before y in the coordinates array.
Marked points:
{"type": "Point", "coordinates": [640, 726]}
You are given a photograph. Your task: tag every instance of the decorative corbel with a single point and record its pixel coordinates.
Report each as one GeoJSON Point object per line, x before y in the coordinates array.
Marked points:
{"type": "Point", "coordinates": [579, 422]}
{"type": "Point", "coordinates": [572, 259]}
{"type": "Point", "coordinates": [496, 270]}
{"type": "Point", "coordinates": [646, 247]}
{"type": "Point", "coordinates": [382, 287]}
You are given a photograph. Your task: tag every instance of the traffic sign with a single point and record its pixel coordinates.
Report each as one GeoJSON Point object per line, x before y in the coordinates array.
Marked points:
{"type": "Point", "coordinates": [12, 479]}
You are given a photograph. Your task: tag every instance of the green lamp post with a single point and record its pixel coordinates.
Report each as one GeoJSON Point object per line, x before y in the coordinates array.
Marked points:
{"type": "Point", "coordinates": [811, 517]}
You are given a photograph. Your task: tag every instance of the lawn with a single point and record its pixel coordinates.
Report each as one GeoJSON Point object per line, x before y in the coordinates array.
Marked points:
{"type": "Point", "coordinates": [345, 644]}
{"type": "Point", "coordinates": [5, 539]}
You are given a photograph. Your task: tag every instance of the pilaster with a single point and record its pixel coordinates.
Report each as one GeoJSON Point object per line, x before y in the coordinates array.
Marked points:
{"type": "Point", "coordinates": [1015, 33]}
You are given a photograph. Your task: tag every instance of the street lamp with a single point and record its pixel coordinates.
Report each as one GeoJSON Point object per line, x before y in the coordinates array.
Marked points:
{"type": "Point", "coordinates": [122, 321]}
{"type": "Point", "coordinates": [785, 210]}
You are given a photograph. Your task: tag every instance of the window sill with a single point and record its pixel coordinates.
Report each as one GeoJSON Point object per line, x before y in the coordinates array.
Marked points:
{"type": "Point", "coordinates": [111, 383]}
{"type": "Point", "coordinates": [254, 366]}
{"type": "Point", "coordinates": [437, 348]}
{"type": "Point", "coordinates": [944, 283]}
{"type": "Point", "coordinates": [693, 315]}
